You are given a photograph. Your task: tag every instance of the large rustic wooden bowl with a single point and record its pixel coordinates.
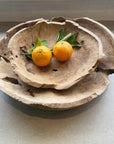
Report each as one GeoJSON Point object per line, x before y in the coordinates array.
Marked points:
{"type": "Point", "coordinates": [82, 92]}
{"type": "Point", "coordinates": [83, 61]}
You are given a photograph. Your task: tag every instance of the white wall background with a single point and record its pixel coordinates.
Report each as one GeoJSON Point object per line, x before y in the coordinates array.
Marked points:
{"type": "Point", "coordinates": [21, 10]}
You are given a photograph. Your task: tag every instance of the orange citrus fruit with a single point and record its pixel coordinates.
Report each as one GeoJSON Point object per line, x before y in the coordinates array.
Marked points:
{"type": "Point", "coordinates": [41, 56]}
{"type": "Point", "coordinates": [62, 50]}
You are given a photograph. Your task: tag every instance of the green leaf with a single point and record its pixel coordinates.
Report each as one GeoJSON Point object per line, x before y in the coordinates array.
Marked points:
{"type": "Point", "coordinates": [61, 35]}
{"type": "Point", "coordinates": [44, 43]}
{"type": "Point", "coordinates": [29, 56]}
{"type": "Point", "coordinates": [52, 51]}
{"type": "Point", "coordinates": [82, 42]}
{"type": "Point", "coordinates": [67, 37]}
{"type": "Point", "coordinates": [37, 42]}
{"type": "Point", "coordinates": [72, 40]}
{"type": "Point", "coordinates": [76, 43]}
{"type": "Point", "coordinates": [29, 51]}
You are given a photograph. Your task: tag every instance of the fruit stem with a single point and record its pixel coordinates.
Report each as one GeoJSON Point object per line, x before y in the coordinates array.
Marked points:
{"type": "Point", "coordinates": [67, 37]}
{"type": "Point", "coordinates": [40, 51]}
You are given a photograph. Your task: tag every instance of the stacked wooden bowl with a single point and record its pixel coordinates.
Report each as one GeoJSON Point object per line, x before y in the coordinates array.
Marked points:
{"type": "Point", "coordinates": [59, 85]}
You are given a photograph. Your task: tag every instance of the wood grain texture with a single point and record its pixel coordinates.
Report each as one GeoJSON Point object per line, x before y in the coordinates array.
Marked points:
{"type": "Point", "coordinates": [105, 35]}
{"type": "Point", "coordinates": [82, 62]}
{"type": "Point", "coordinates": [81, 93]}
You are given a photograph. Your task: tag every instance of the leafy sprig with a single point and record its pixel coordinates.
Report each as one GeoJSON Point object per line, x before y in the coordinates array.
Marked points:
{"type": "Point", "coordinates": [71, 38]}
{"type": "Point", "coordinates": [38, 42]}
{"type": "Point", "coordinates": [61, 35]}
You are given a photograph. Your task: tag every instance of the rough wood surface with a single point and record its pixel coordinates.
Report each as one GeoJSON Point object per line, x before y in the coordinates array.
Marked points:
{"type": "Point", "coordinates": [106, 37]}
{"type": "Point", "coordinates": [83, 61]}
{"type": "Point", "coordinates": [4, 52]}
{"type": "Point", "coordinates": [79, 94]}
